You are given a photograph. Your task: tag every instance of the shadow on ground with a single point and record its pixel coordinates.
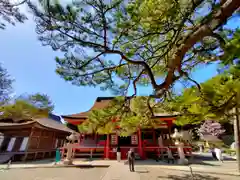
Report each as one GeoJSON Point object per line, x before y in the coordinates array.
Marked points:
{"type": "Point", "coordinates": [190, 177]}
{"type": "Point", "coordinates": [141, 171]}
{"type": "Point", "coordinates": [204, 163]}
{"type": "Point", "coordinates": [210, 158]}
{"type": "Point", "coordinates": [164, 162]}
{"type": "Point", "coordinates": [44, 161]}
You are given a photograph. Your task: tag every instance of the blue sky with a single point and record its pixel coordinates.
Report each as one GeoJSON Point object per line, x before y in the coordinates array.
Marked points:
{"type": "Point", "coordinates": [33, 68]}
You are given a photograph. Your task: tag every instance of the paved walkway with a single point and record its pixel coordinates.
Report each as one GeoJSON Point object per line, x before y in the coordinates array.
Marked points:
{"type": "Point", "coordinates": [144, 170]}
{"type": "Point", "coordinates": [119, 171]}
{"type": "Point", "coordinates": [203, 168]}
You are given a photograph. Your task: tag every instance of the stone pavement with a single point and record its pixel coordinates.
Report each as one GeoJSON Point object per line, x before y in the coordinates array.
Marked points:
{"type": "Point", "coordinates": [117, 171]}
{"type": "Point", "coordinates": [145, 170]}
{"type": "Point", "coordinates": [51, 163]}
{"type": "Point", "coordinates": [64, 173]}
{"type": "Point", "coordinates": [174, 174]}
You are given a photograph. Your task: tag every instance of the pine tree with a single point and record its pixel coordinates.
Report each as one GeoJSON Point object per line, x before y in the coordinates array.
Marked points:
{"type": "Point", "coordinates": [120, 44]}
{"type": "Point", "coordinates": [21, 111]}
{"type": "Point", "coordinates": [214, 99]}
{"type": "Point", "coordinates": [10, 13]}
{"type": "Point", "coordinates": [5, 85]}
{"type": "Point", "coordinates": [41, 101]}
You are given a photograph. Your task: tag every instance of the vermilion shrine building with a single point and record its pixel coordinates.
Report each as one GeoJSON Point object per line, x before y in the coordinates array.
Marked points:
{"type": "Point", "coordinates": [146, 142]}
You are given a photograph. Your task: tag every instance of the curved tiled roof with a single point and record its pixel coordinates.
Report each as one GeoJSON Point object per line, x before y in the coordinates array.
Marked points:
{"type": "Point", "coordinates": [100, 103]}
{"type": "Point", "coordinates": [45, 122]}
{"type": "Point", "coordinates": [53, 124]}
{"type": "Point", "coordinates": [15, 124]}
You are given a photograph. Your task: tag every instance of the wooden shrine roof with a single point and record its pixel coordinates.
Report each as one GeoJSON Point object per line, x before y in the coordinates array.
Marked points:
{"type": "Point", "coordinates": [43, 122]}
{"type": "Point", "coordinates": [100, 103]}
{"type": "Point", "coordinates": [46, 122]}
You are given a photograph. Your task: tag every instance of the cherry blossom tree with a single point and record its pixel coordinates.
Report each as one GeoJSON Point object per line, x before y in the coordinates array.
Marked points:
{"type": "Point", "coordinates": [211, 127]}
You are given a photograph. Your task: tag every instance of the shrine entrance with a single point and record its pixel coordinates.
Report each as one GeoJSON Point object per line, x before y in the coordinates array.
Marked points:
{"type": "Point", "coordinates": [124, 141]}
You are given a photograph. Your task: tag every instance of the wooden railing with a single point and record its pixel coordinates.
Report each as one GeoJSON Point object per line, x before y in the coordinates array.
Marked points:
{"type": "Point", "coordinates": [92, 151]}
{"type": "Point", "coordinates": [84, 151]}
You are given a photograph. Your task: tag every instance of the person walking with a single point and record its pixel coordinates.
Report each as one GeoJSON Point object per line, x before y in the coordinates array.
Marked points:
{"type": "Point", "coordinates": [218, 153]}
{"type": "Point", "coordinates": [212, 149]}
{"type": "Point", "coordinates": [118, 154]}
{"type": "Point", "coordinates": [131, 159]}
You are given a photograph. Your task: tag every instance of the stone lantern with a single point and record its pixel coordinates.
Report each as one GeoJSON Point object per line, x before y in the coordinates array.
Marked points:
{"type": "Point", "coordinates": [71, 139]}
{"type": "Point", "coordinates": [177, 136]}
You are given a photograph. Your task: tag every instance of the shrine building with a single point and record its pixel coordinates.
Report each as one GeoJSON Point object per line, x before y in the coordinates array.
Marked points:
{"type": "Point", "coordinates": [31, 139]}
{"type": "Point", "coordinates": [146, 142]}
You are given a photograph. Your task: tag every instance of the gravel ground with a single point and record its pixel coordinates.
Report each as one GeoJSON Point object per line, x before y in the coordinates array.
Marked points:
{"type": "Point", "coordinates": [53, 174]}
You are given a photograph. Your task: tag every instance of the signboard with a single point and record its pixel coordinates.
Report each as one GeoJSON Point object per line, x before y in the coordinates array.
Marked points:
{"type": "Point", "coordinates": [114, 139]}
{"type": "Point", "coordinates": [134, 139]}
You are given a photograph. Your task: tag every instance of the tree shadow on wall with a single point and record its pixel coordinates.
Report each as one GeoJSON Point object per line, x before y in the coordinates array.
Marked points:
{"type": "Point", "coordinates": [190, 177]}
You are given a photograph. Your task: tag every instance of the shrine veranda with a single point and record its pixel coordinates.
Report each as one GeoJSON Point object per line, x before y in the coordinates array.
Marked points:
{"type": "Point", "coordinates": [147, 143]}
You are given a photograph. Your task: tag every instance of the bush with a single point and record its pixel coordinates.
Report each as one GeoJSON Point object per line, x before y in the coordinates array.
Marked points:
{"type": "Point", "coordinates": [230, 152]}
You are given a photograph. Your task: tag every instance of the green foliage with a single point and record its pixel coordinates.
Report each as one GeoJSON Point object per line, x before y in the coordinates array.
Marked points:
{"type": "Point", "coordinates": [41, 101]}
{"type": "Point", "coordinates": [217, 97]}
{"type": "Point", "coordinates": [26, 107]}
{"type": "Point", "coordinates": [231, 49]}
{"type": "Point", "coordinates": [118, 115]}
{"type": "Point", "coordinates": [5, 85]}
{"type": "Point", "coordinates": [116, 44]}
{"type": "Point", "coordinates": [121, 44]}
{"type": "Point", "coordinates": [21, 111]}
{"type": "Point", "coordinates": [230, 151]}
{"type": "Point", "coordinates": [10, 13]}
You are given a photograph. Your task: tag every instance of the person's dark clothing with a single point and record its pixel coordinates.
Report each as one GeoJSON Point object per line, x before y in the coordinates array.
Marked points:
{"type": "Point", "coordinates": [214, 155]}
{"type": "Point", "coordinates": [131, 155]}
{"type": "Point", "coordinates": [118, 149]}
{"type": "Point", "coordinates": [131, 160]}
{"type": "Point", "coordinates": [131, 164]}
{"type": "Point", "coordinates": [170, 160]}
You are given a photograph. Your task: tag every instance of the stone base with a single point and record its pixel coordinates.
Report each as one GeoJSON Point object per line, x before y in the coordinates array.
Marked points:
{"type": "Point", "coordinates": [67, 162]}
{"type": "Point", "coordinates": [183, 161]}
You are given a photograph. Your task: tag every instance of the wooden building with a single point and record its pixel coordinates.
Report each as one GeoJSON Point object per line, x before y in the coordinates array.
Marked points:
{"type": "Point", "coordinates": [30, 140]}
{"type": "Point", "coordinates": [146, 142]}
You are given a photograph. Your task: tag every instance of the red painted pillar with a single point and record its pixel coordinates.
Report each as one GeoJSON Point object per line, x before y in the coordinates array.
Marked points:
{"type": "Point", "coordinates": [154, 137]}
{"type": "Point", "coordinates": [107, 146]}
{"type": "Point", "coordinates": [80, 139]}
{"type": "Point", "coordinates": [140, 144]}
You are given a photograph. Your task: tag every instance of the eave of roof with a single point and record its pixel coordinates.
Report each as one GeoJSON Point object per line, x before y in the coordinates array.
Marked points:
{"type": "Point", "coordinates": [102, 102]}
{"type": "Point", "coordinates": [7, 125]}
{"type": "Point", "coordinates": [44, 122]}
